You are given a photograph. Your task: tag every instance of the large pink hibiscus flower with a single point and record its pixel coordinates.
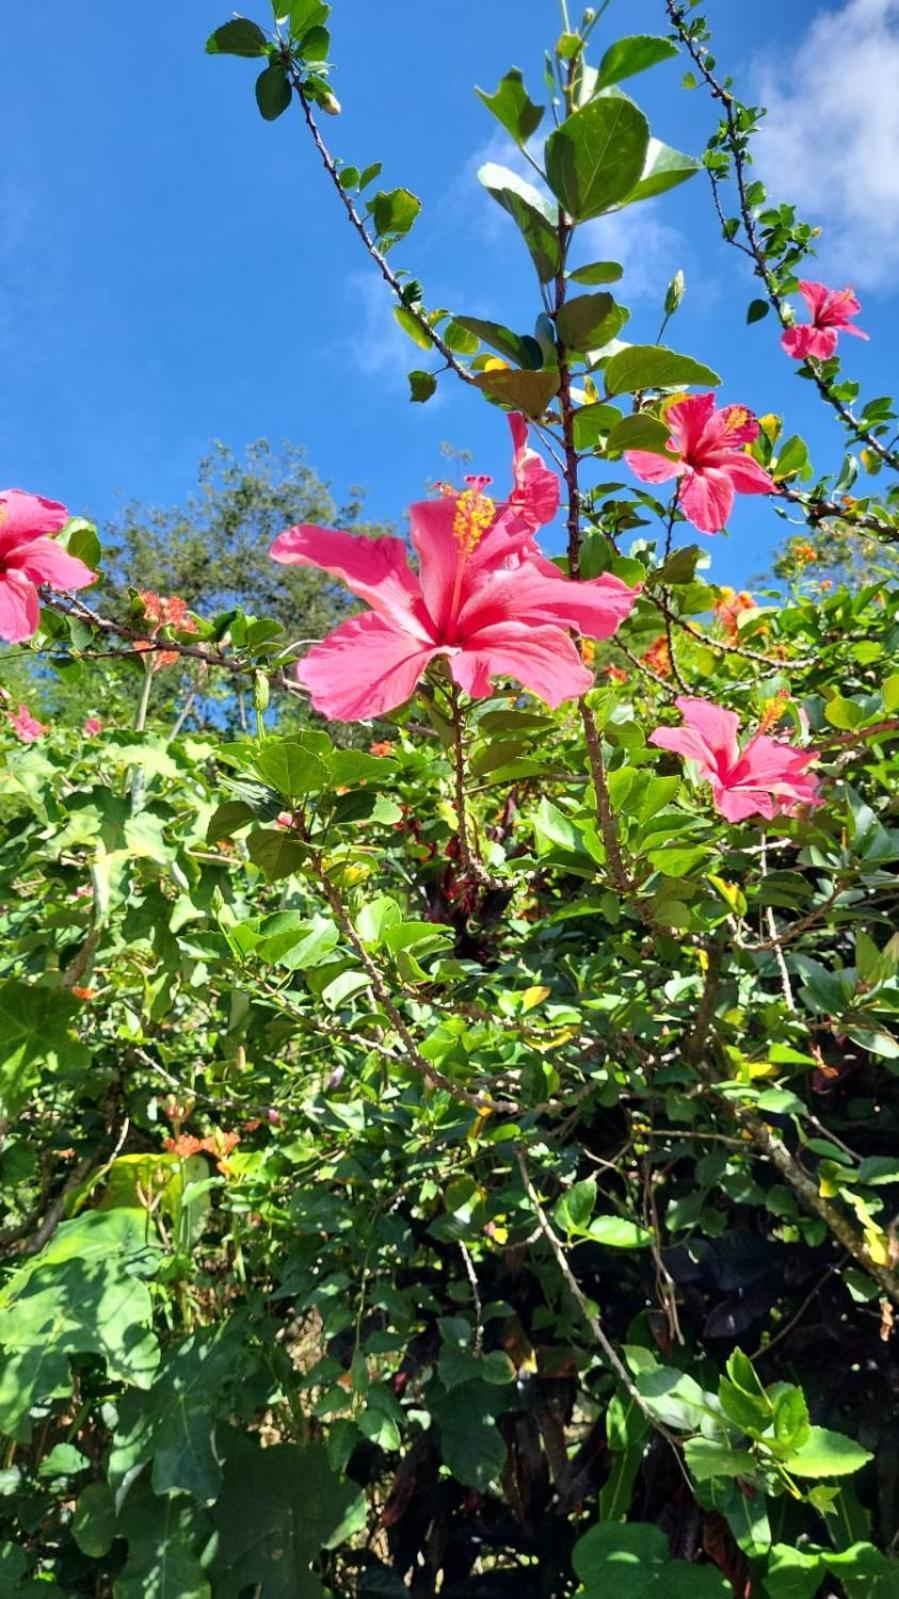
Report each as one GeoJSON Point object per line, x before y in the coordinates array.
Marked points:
{"type": "Point", "coordinates": [831, 311]}
{"type": "Point", "coordinates": [29, 557]}
{"type": "Point", "coordinates": [483, 597]}
{"type": "Point", "coordinates": [710, 459]}
{"type": "Point", "coordinates": [765, 778]}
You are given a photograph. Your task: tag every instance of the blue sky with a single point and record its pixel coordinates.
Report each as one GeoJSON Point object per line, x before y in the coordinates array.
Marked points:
{"type": "Point", "coordinates": [174, 270]}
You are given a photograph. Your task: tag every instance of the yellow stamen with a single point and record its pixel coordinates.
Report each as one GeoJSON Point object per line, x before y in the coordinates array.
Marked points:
{"type": "Point", "coordinates": [474, 515]}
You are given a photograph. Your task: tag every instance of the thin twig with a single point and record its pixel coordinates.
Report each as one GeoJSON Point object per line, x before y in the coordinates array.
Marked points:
{"type": "Point", "coordinates": [590, 1316]}
{"type": "Point", "coordinates": [735, 143]}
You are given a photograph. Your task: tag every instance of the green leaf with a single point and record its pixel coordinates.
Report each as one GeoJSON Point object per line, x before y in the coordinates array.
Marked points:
{"type": "Point", "coordinates": [79, 537]}
{"type": "Point", "coordinates": [520, 348]}
{"type": "Point", "coordinates": [35, 1033]}
{"type": "Point", "coordinates": [411, 326]}
{"type": "Point", "coordinates": [295, 766]}
{"type": "Point", "coordinates": [276, 853]}
{"type": "Point", "coordinates": [618, 1233]}
{"type": "Point", "coordinates": [663, 169]}
{"type": "Point", "coordinates": [315, 44]}
{"type": "Point", "coordinates": [596, 157]}
{"type": "Point", "coordinates": [163, 1536]}
{"type": "Point", "coordinates": [422, 385]}
{"type": "Point", "coordinates": [471, 1444]}
{"type": "Point", "coordinates": [174, 1425]}
{"type": "Point", "coordinates": [81, 1295]}
{"type": "Point", "coordinates": [792, 1573]}
{"type": "Point", "coordinates": [629, 56]}
{"type": "Point", "coordinates": [227, 818]}
{"type": "Point", "coordinates": [573, 1211]}
{"type": "Point", "coordinates": [529, 392]}
{"type": "Point", "coordinates": [513, 107]}
{"type": "Point", "coordinates": [827, 1454]}
{"type": "Point", "coordinates": [302, 15]}
{"type": "Point", "coordinates": [640, 432]}
{"type": "Point", "coordinates": [273, 91]}
{"type": "Point", "coordinates": [93, 1524]}
{"type": "Point", "coordinates": [393, 212]}
{"type": "Point", "coordinates": [598, 272]}
{"type": "Point", "coordinates": [707, 1458]}
{"type": "Point", "coordinates": [791, 1422]}
{"type": "Point", "coordinates": [279, 1507]}
{"type": "Point", "coordinates": [757, 310]}
{"type": "Point", "coordinates": [590, 321]}
{"type": "Point", "coordinates": [591, 423]}
{"type": "Point", "coordinates": [652, 366]}
{"type": "Point", "coordinates": [535, 218]}
{"type": "Point", "coordinates": [237, 38]}
{"type": "Point", "coordinates": [631, 1562]}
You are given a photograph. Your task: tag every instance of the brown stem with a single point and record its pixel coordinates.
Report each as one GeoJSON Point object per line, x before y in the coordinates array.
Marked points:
{"type": "Point", "coordinates": [614, 857]}
{"type": "Point", "coordinates": [590, 1316]}
{"type": "Point", "coordinates": [472, 866]}
{"type": "Point", "coordinates": [769, 1143]}
{"type": "Point", "coordinates": [414, 1057]}
{"type": "Point", "coordinates": [660, 601]}
{"type": "Point", "coordinates": [386, 271]}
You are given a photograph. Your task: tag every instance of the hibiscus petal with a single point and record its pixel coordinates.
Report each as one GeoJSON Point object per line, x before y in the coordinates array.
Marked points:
{"type": "Point", "coordinates": [738, 426]}
{"type": "Point", "coordinates": [651, 468]}
{"type": "Point", "coordinates": [747, 476]}
{"type": "Point", "coordinates": [807, 340]}
{"type": "Point", "coordinates": [376, 570]}
{"type": "Point", "coordinates": [363, 669]}
{"type": "Point", "coordinates": [710, 730]}
{"type": "Point", "coordinates": [439, 554]}
{"type": "Point", "coordinates": [535, 497]}
{"type": "Point", "coordinates": [687, 742]}
{"type": "Point", "coordinates": [20, 612]}
{"type": "Point", "coordinates": [707, 498]}
{"type": "Point", "coordinates": [45, 561]}
{"type": "Point", "coordinates": [543, 659]}
{"type": "Point", "coordinates": [736, 804]}
{"type": "Point", "coordinates": [26, 516]}
{"type": "Point", "coordinates": [688, 420]}
{"type": "Point", "coordinates": [815, 296]}
{"type": "Point", "coordinates": [537, 592]}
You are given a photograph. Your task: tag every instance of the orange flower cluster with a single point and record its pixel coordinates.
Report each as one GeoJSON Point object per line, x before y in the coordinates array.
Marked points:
{"type": "Point", "coordinates": [163, 611]}
{"type": "Point", "coordinates": [773, 710]}
{"type": "Point", "coordinates": [381, 746]}
{"type": "Point", "coordinates": [219, 1145]}
{"type": "Point", "coordinates": [804, 554]}
{"type": "Point", "coordinates": [617, 674]}
{"type": "Point", "coordinates": [658, 658]}
{"type": "Point", "coordinates": [730, 606]}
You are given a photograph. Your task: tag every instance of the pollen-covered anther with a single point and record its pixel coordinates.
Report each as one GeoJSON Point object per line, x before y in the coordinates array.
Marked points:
{"type": "Point", "coordinates": [475, 513]}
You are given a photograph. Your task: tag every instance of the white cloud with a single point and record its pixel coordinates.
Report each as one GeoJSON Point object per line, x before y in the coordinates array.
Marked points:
{"type": "Point", "coordinates": [649, 250]}
{"type": "Point", "coordinates": [829, 141]}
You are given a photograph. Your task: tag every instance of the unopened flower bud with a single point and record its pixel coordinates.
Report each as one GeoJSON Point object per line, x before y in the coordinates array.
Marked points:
{"type": "Point", "coordinates": [675, 292]}
{"type": "Point", "coordinates": [330, 103]}
{"type": "Point", "coordinates": [260, 691]}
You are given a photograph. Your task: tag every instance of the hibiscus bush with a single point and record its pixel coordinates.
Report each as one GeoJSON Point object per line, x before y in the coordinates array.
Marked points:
{"type": "Point", "coordinates": [449, 1128]}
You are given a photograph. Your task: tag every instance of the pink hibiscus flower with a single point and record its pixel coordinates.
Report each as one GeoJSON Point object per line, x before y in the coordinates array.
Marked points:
{"type": "Point", "coordinates": [29, 557]}
{"type": "Point", "coordinates": [483, 597]}
{"type": "Point", "coordinates": [93, 726]}
{"type": "Point", "coordinates": [26, 727]}
{"type": "Point", "coordinates": [710, 459]}
{"type": "Point", "coordinates": [832, 311]}
{"type": "Point", "coordinates": [766, 778]}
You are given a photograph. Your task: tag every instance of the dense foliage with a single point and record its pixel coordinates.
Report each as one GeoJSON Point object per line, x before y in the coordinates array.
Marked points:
{"type": "Point", "coordinates": [461, 1157]}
